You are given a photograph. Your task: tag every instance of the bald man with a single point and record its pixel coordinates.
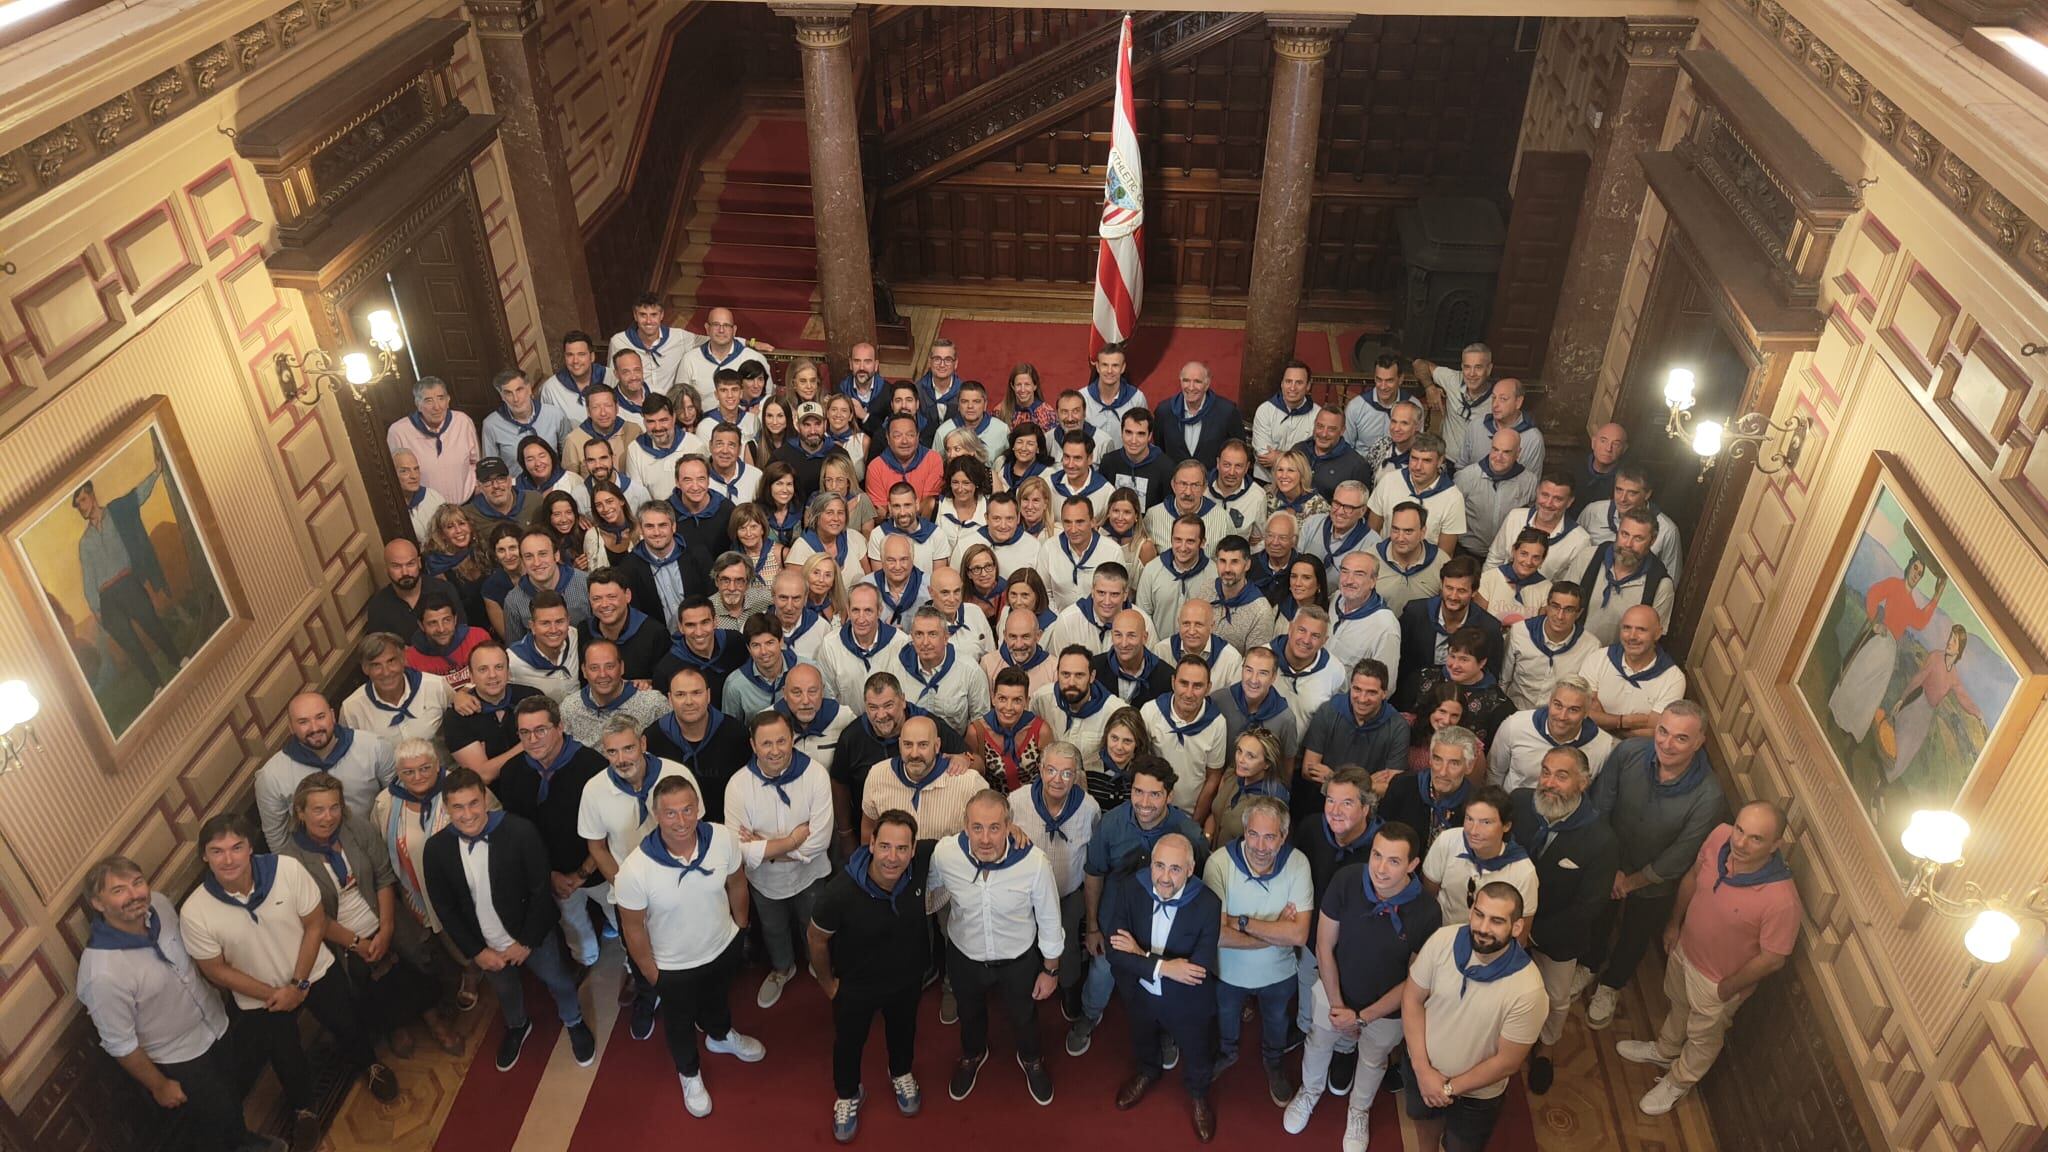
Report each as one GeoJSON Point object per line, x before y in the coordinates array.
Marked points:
{"type": "Point", "coordinates": [1129, 670]}
{"type": "Point", "coordinates": [1593, 478]}
{"type": "Point", "coordinates": [421, 501]}
{"type": "Point", "coordinates": [1507, 408]}
{"type": "Point", "coordinates": [1163, 932]}
{"type": "Point", "coordinates": [1195, 631]}
{"type": "Point", "coordinates": [904, 586]}
{"type": "Point", "coordinates": [722, 348]}
{"type": "Point", "coordinates": [1194, 423]}
{"type": "Point", "coordinates": [362, 761]}
{"type": "Point", "coordinates": [394, 608]}
{"type": "Point", "coordinates": [1494, 487]}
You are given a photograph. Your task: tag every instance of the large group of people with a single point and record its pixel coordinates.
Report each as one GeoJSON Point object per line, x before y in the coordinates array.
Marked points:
{"type": "Point", "coordinates": [1340, 731]}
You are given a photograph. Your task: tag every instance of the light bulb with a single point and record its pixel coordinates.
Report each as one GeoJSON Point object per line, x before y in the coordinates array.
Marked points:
{"type": "Point", "coordinates": [1935, 835]}
{"type": "Point", "coordinates": [384, 330]}
{"type": "Point", "coordinates": [1991, 936]}
{"type": "Point", "coordinates": [1678, 388]}
{"type": "Point", "coordinates": [1706, 439]}
{"type": "Point", "coordinates": [18, 705]}
{"type": "Point", "coordinates": [355, 367]}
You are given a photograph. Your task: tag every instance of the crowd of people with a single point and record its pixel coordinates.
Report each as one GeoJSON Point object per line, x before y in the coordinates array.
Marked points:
{"type": "Point", "coordinates": [1340, 731]}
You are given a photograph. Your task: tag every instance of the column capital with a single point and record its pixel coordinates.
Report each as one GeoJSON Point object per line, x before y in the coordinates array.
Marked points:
{"type": "Point", "coordinates": [1655, 41]}
{"type": "Point", "coordinates": [503, 18]}
{"type": "Point", "coordinates": [1305, 35]}
{"type": "Point", "coordinates": [819, 25]}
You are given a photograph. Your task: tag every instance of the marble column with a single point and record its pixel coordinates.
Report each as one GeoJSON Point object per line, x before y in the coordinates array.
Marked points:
{"type": "Point", "coordinates": [1301, 44]}
{"type": "Point", "coordinates": [846, 294]}
{"type": "Point", "coordinates": [522, 93]}
{"type": "Point", "coordinates": [1615, 186]}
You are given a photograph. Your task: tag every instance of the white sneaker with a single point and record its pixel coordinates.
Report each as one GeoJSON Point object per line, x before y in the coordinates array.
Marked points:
{"type": "Point", "coordinates": [1357, 1129]}
{"type": "Point", "coordinates": [771, 988]}
{"type": "Point", "coordinates": [1299, 1110]}
{"type": "Point", "coordinates": [748, 1049]}
{"type": "Point", "coordinates": [1582, 979]}
{"type": "Point", "coordinates": [1661, 1098]}
{"type": "Point", "coordinates": [1600, 1009]}
{"type": "Point", "coordinates": [695, 1098]}
{"type": "Point", "coordinates": [1642, 1052]}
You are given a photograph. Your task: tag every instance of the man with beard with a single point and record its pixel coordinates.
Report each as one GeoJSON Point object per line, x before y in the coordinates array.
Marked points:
{"type": "Point", "coordinates": [863, 374]}
{"type": "Point", "coordinates": [1268, 901]}
{"type": "Point", "coordinates": [362, 761]}
{"type": "Point", "coordinates": [918, 779]}
{"type": "Point", "coordinates": [707, 743]}
{"type": "Point", "coordinates": [876, 736]}
{"type": "Point", "coordinates": [1164, 934]}
{"type": "Point", "coordinates": [395, 607]}
{"type": "Point", "coordinates": [805, 452]}
{"type": "Point", "coordinates": [1623, 573]}
{"type": "Point", "coordinates": [1574, 853]}
{"type": "Point", "coordinates": [1076, 708]}
{"type": "Point", "coordinates": [1472, 1009]}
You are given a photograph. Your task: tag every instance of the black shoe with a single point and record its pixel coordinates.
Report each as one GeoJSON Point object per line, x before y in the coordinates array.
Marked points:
{"type": "Point", "coordinates": [1279, 1086]}
{"type": "Point", "coordinates": [508, 1048]}
{"type": "Point", "coordinates": [1295, 1039]}
{"type": "Point", "coordinates": [1393, 1081]}
{"type": "Point", "coordinates": [306, 1130]}
{"type": "Point", "coordinates": [1070, 1003]}
{"type": "Point", "coordinates": [383, 1084]}
{"type": "Point", "coordinates": [582, 1044]}
{"type": "Point", "coordinates": [1542, 1074]}
{"type": "Point", "coordinates": [1343, 1069]}
{"type": "Point", "coordinates": [1169, 1053]}
{"type": "Point", "coordinates": [964, 1075]}
{"type": "Point", "coordinates": [643, 1016]}
{"type": "Point", "coordinates": [1037, 1079]}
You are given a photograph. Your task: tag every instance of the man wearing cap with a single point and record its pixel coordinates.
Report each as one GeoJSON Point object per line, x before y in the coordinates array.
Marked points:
{"type": "Point", "coordinates": [805, 453]}
{"type": "Point", "coordinates": [497, 500]}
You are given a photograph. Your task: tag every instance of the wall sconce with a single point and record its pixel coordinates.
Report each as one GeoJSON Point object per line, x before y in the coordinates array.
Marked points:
{"type": "Point", "coordinates": [18, 708]}
{"type": "Point", "coordinates": [1935, 839]}
{"type": "Point", "coordinates": [356, 368]}
{"type": "Point", "coordinates": [1773, 445]}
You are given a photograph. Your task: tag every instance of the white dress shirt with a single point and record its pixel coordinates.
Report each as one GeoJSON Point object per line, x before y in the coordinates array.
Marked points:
{"type": "Point", "coordinates": [1068, 851]}
{"type": "Point", "coordinates": [756, 805]}
{"type": "Point", "coordinates": [955, 691]}
{"type": "Point", "coordinates": [998, 912]}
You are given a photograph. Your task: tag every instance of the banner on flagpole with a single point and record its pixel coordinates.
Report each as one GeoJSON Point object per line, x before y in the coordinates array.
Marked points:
{"type": "Point", "coordinates": [1120, 262]}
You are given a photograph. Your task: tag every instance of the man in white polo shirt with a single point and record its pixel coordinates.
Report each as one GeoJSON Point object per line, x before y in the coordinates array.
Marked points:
{"type": "Point", "coordinates": [1188, 732]}
{"type": "Point", "coordinates": [254, 926]}
{"type": "Point", "coordinates": [1522, 741]}
{"type": "Point", "coordinates": [396, 702]}
{"type": "Point", "coordinates": [1542, 648]}
{"type": "Point", "coordinates": [1268, 901]}
{"type": "Point", "coordinates": [682, 910]}
{"type": "Point", "coordinates": [362, 761]}
{"type": "Point", "coordinates": [781, 809]}
{"type": "Point", "coordinates": [937, 676]}
{"type": "Point", "coordinates": [1633, 680]}
{"type": "Point", "coordinates": [1307, 676]}
{"type": "Point", "coordinates": [614, 817]}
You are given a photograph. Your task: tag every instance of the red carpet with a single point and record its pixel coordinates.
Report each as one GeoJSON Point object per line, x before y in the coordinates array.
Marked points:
{"type": "Point", "coordinates": [762, 259]}
{"type": "Point", "coordinates": [491, 1105]}
{"type": "Point", "coordinates": [786, 1101]}
{"type": "Point", "coordinates": [988, 349]}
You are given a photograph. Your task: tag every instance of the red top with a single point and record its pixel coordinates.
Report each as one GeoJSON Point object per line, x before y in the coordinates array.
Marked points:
{"type": "Point", "coordinates": [1727, 927]}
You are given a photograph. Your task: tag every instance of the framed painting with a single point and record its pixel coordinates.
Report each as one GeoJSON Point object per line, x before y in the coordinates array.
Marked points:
{"type": "Point", "coordinates": [120, 558]}
{"type": "Point", "coordinates": [1919, 682]}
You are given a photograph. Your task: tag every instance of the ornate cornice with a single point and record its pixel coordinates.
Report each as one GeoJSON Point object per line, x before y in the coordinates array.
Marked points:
{"type": "Point", "coordinates": [1655, 41]}
{"type": "Point", "coordinates": [2017, 237]}
{"type": "Point", "coordinates": [1299, 36]}
{"type": "Point", "coordinates": [503, 18]}
{"type": "Point", "coordinates": [819, 26]}
{"type": "Point", "coordinates": [70, 148]}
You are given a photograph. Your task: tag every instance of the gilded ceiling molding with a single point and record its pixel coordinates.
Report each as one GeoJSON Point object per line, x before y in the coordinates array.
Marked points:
{"type": "Point", "coordinates": [70, 148]}
{"type": "Point", "coordinates": [1305, 36]}
{"type": "Point", "coordinates": [1655, 41]}
{"type": "Point", "coordinates": [2018, 238]}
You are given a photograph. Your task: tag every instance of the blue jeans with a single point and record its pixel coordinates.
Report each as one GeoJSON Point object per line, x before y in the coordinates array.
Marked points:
{"type": "Point", "coordinates": [1097, 985]}
{"type": "Point", "coordinates": [548, 966]}
{"type": "Point", "coordinates": [1273, 1000]}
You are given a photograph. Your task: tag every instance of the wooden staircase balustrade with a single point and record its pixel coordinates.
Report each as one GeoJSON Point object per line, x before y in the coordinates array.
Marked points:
{"type": "Point", "coordinates": [921, 58]}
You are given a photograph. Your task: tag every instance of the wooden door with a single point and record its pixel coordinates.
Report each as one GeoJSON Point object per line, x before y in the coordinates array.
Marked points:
{"type": "Point", "coordinates": [1549, 193]}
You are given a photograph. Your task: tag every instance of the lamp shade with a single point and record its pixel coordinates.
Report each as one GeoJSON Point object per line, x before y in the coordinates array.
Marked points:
{"type": "Point", "coordinates": [1935, 836]}
{"type": "Point", "coordinates": [355, 367]}
{"type": "Point", "coordinates": [384, 330]}
{"type": "Point", "coordinates": [1991, 936]}
{"type": "Point", "coordinates": [18, 705]}
{"type": "Point", "coordinates": [1678, 388]}
{"type": "Point", "coordinates": [1706, 439]}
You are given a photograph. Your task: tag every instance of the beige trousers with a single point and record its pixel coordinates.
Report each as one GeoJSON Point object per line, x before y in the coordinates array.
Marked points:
{"type": "Point", "coordinates": [1696, 1023]}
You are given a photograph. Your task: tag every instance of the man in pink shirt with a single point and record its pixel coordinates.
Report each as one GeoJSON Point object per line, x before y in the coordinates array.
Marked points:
{"type": "Point", "coordinates": [905, 462]}
{"type": "Point", "coordinates": [442, 439]}
{"type": "Point", "coordinates": [1736, 922]}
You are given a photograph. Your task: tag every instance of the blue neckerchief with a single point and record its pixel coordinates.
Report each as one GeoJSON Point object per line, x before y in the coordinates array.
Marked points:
{"type": "Point", "coordinates": [442, 563]}
{"type": "Point", "coordinates": [1236, 850]}
{"type": "Point", "coordinates": [1264, 786]}
{"type": "Point", "coordinates": [1249, 594]}
{"type": "Point", "coordinates": [591, 429]}
{"type": "Point", "coordinates": [547, 771]}
{"type": "Point", "coordinates": [632, 405]}
{"type": "Point", "coordinates": [1045, 618]}
{"type": "Point", "coordinates": [619, 480]}
{"type": "Point", "coordinates": [531, 425]}
{"type": "Point", "coordinates": [921, 533]}
{"type": "Point", "coordinates": [401, 796]}
{"type": "Point", "coordinates": [1468, 403]}
{"type": "Point", "coordinates": [497, 710]}
{"type": "Point", "coordinates": [917, 787]}
{"type": "Point", "coordinates": [1095, 484]}
{"type": "Point", "coordinates": [798, 765]}
{"type": "Point", "coordinates": [1511, 960]}
{"type": "Point", "coordinates": [330, 851]}
{"type": "Point", "coordinates": [1773, 870]}
{"type": "Point", "coordinates": [1515, 579]}
{"type": "Point", "coordinates": [885, 635]}
{"type": "Point", "coordinates": [1087, 606]}
{"type": "Point", "coordinates": [1067, 547]}
{"type": "Point", "coordinates": [603, 710]}
{"type": "Point", "coordinates": [928, 388]}
{"type": "Point", "coordinates": [1391, 906]}
{"type": "Point", "coordinates": [1578, 817]}
{"type": "Point", "coordinates": [402, 711]}
{"type": "Point", "coordinates": [262, 874]}
{"type": "Point", "coordinates": [1658, 666]}
{"type": "Point", "coordinates": [635, 620]}
{"type": "Point", "coordinates": [529, 651]}
{"type": "Point", "coordinates": [106, 936]}
{"type": "Point", "coordinates": [657, 563]}
{"type": "Point", "coordinates": [1534, 627]}
{"type": "Point", "coordinates": [1440, 809]}
{"type": "Point", "coordinates": [564, 576]}
{"type": "Point", "coordinates": [1123, 538]}
{"type": "Point", "coordinates": [857, 867]}
{"type": "Point", "coordinates": [1210, 714]}
{"type": "Point", "coordinates": [1316, 456]}
{"type": "Point", "coordinates": [927, 684]}
{"type": "Point", "coordinates": [650, 775]}
{"type": "Point", "coordinates": [1522, 425]}
{"type": "Point", "coordinates": [569, 382]}
{"type": "Point", "coordinates": [691, 749]}
{"type": "Point", "coordinates": [714, 503]}
{"type": "Point", "coordinates": [721, 638]}
{"type": "Point", "coordinates": [738, 346]}
{"type": "Point", "coordinates": [851, 390]}
{"type": "Point", "coordinates": [1012, 478]}
{"type": "Point", "coordinates": [1098, 698]}
{"type": "Point", "coordinates": [821, 722]}
{"type": "Point", "coordinates": [1552, 540]}
{"type": "Point", "coordinates": [1397, 458]}
{"type": "Point", "coordinates": [1151, 453]}
{"type": "Point", "coordinates": [897, 606]}
{"type": "Point", "coordinates": [1279, 647]}
{"type": "Point", "coordinates": [1295, 504]}
{"type": "Point", "coordinates": [1013, 853]}
{"type": "Point", "coordinates": [419, 424]}
{"type": "Point", "coordinates": [1372, 604]}
{"type": "Point", "coordinates": [1696, 774]}
{"type": "Point", "coordinates": [1215, 649]}
{"type": "Point", "coordinates": [658, 852]}
{"type": "Point", "coordinates": [1499, 478]}
{"type": "Point", "coordinates": [772, 688]}
{"type": "Point", "coordinates": [419, 497]}
{"type": "Point", "coordinates": [786, 527]}
{"type": "Point", "coordinates": [425, 646]}
{"type": "Point", "coordinates": [1177, 404]}
{"type": "Point", "coordinates": [491, 824]}
{"type": "Point", "coordinates": [1340, 851]}
{"type": "Point", "coordinates": [838, 552]}
{"type": "Point", "coordinates": [1587, 729]}
{"type": "Point", "coordinates": [1435, 611]}
{"type": "Point", "coordinates": [1188, 891]}
{"type": "Point", "coordinates": [731, 484]}
{"type": "Point", "coordinates": [526, 482]}
{"type": "Point", "coordinates": [1201, 566]}
{"type": "Point", "coordinates": [344, 738]}
{"type": "Point", "coordinates": [1269, 708]}
{"type": "Point", "coordinates": [1038, 656]}
{"type": "Point", "coordinates": [1387, 409]}
{"type": "Point", "coordinates": [1613, 582]}
{"type": "Point", "coordinates": [1279, 402]}
{"type": "Point", "coordinates": [1511, 850]}
{"type": "Point", "coordinates": [1056, 822]}
{"type": "Point", "coordinates": [1486, 679]}
{"type": "Point", "coordinates": [887, 459]}
{"type": "Point", "coordinates": [1009, 735]}
{"type": "Point", "coordinates": [1371, 723]}
{"type": "Point", "coordinates": [481, 505]}
{"type": "Point", "coordinates": [1125, 393]}
{"type": "Point", "coordinates": [1441, 484]}
{"type": "Point", "coordinates": [989, 535]}
{"type": "Point", "coordinates": [1146, 663]}
{"type": "Point", "coordinates": [1386, 550]}
{"type": "Point", "coordinates": [651, 351]}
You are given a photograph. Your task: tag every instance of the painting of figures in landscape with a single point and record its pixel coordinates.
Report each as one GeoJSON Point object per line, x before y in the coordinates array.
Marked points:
{"type": "Point", "coordinates": [1903, 676]}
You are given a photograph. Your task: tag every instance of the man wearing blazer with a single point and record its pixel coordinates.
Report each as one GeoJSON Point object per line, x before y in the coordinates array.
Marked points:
{"type": "Point", "coordinates": [1163, 937]}
{"type": "Point", "coordinates": [487, 875]}
{"type": "Point", "coordinates": [1194, 423]}
{"type": "Point", "coordinates": [1427, 624]}
{"type": "Point", "coordinates": [1576, 857]}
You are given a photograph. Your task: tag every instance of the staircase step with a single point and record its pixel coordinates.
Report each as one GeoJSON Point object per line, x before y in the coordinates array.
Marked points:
{"type": "Point", "coordinates": [754, 228]}
{"type": "Point", "coordinates": [773, 260]}
{"type": "Point", "coordinates": [761, 196]}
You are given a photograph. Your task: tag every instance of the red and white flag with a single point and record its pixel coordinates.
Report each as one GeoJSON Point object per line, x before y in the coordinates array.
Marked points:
{"type": "Point", "coordinates": [1120, 265]}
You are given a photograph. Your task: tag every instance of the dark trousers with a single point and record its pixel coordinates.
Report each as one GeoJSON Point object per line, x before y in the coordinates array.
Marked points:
{"type": "Point", "coordinates": [1190, 1031]}
{"type": "Point", "coordinates": [853, 1014]}
{"type": "Point", "coordinates": [1617, 951]}
{"type": "Point", "coordinates": [700, 997]}
{"type": "Point", "coordinates": [212, 1112]}
{"type": "Point", "coordinates": [399, 995]}
{"type": "Point", "coordinates": [1012, 979]}
{"type": "Point", "coordinates": [334, 1003]}
{"type": "Point", "coordinates": [124, 606]}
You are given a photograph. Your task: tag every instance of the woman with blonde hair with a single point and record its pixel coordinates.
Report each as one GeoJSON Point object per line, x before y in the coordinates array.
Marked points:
{"type": "Point", "coordinates": [1256, 769]}
{"type": "Point", "coordinates": [1291, 491]}
{"type": "Point", "coordinates": [455, 552]}
{"type": "Point", "coordinates": [825, 587]}
{"type": "Point", "coordinates": [751, 537]}
{"type": "Point", "coordinates": [806, 383]}
{"type": "Point", "coordinates": [1034, 508]}
{"type": "Point", "coordinates": [838, 476]}
{"type": "Point", "coordinates": [826, 533]}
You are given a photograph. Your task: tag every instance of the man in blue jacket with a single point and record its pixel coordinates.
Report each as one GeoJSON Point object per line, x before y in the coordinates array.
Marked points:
{"type": "Point", "coordinates": [1163, 937]}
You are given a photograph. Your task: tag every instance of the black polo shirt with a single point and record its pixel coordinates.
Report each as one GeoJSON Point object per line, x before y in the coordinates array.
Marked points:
{"type": "Point", "coordinates": [519, 789]}
{"type": "Point", "coordinates": [877, 950]}
{"type": "Point", "coordinates": [492, 727]}
{"type": "Point", "coordinates": [723, 752]}
{"type": "Point", "coordinates": [642, 649]}
{"type": "Point", "coordinates": [728, 653]}
{"type": "Point", "coordinates": [860, 749]}
{"type": "Point", "coordinates": [1372, 955]}
{"type": "Point", "coordinates": [1326, 859]}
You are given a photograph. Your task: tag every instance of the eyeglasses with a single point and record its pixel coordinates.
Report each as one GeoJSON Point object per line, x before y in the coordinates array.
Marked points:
{"type": "Point", "coordinates": [1347, 507]}
{"type": "Point", "coordinates": [1059, 773]}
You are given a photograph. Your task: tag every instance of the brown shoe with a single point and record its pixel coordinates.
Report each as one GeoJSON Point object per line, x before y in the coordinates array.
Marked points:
{"type": "Point", "coordinates": [1205, 1119]}
{"type": "Point", "coordinates": [1134, 1090]}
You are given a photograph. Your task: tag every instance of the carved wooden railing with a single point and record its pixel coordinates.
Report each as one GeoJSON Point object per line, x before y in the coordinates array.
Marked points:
{"type": "Point", "coordinates": [1020, 100]}
{"type": "Point", "coordinates": [921, 58]}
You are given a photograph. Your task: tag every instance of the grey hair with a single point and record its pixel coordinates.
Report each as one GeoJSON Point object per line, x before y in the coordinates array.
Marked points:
{"type": "Point", "coordinates": [1573, 683]}
{"type": "Point", "coordinates": [414, 748]}
{"type": "Point", "coordinates": [619, 722]}
{"type": "Point", "coordinates": [420, 386]}
{"type": "Point", "coordinates": [1273, 807]}
{"type": "Point", "coordinates": [1684, 707]}
{"type": "Point", "coordinates": [1355, 487]}
{"type": "Point", "coordinates": [377, 644]}
{"type": "Point", "coordinates": [1064, 748]}
{"type": "Point", "coordinates": [1477, 348]}
{"type": "Point", "coordinates": [1459, 737]}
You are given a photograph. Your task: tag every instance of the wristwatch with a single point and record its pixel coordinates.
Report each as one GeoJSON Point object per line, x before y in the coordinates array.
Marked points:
{"type": "Point", "coordinates": [303, 985]}
{"type": "Point", "coordinates": [1242, 921]}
